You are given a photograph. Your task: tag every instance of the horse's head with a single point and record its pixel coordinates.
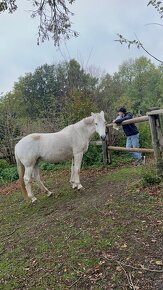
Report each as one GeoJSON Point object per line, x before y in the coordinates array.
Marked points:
{"type": "Point", "coordinates": [100, 124]}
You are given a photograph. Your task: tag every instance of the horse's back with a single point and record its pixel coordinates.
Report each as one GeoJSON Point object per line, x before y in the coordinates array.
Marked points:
{"type": "Point", "coordinates": [53, 147]}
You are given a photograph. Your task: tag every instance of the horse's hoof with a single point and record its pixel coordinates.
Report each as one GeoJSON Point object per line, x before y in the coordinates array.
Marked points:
{"type": "Point", "coordinates": [80, 186]}
{"type": "Point", "coordinates": [74, 186]}
{"type": "Point", "coordinates": [49, 193]}
{"type": "Point", "coordinates": [34, 199]}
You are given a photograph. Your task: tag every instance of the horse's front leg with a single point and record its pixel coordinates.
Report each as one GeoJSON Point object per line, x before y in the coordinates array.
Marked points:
{"type": "Point", "coordinates": [76, 170]}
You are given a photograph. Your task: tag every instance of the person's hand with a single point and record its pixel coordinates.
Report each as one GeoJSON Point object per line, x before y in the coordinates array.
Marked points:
{"type": "Point", "coordinates": [113, 121]}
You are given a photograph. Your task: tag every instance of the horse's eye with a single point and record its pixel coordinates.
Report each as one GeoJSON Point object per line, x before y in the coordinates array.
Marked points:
{"type": "Point", "coordinates": [96, 124]}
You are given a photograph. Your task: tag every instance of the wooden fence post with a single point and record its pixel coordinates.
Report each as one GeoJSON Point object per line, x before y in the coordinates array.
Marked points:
{"type": "Point", "coordinates": [105, 149]}
{"type": "Point", "coordinates": [105, 152]}
{"type": "Point", "coordinates": [109, 153]}
{"type": "Point", "coordinates": [154, 121]}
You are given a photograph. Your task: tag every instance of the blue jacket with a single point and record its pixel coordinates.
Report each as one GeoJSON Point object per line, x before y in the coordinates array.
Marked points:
{"type": "Point", "coordinates": [129, 129]}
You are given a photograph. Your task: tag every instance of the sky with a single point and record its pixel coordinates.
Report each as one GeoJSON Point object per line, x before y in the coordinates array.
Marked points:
{"type": "Point", "coordinates": [97, 22]}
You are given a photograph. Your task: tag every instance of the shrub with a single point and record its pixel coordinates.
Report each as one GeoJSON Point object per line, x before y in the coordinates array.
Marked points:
{"type": "Point", "coordinates": [8, 174]}
{"type": "Point", "coordinates": [149, 176]}
{"type": "Point", "coordinates": [93, 156]}
{"type": "Point", "coordinates": [145, 135]}
{"type": "Point", "coordinates": [3, 164]}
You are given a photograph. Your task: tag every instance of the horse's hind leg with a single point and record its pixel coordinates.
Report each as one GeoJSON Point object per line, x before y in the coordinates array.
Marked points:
{"type": "Point", "coordinates": [36, 175]}
{"type": "Point", "coordinates": [28, 181]}
{"type": "Point", "coordinates": [72, 172]}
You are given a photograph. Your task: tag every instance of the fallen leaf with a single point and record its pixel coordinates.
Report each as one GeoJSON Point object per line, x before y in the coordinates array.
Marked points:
{"type": "Point", "coordinates": [159, 263]}
{"type": "Point", "coordinates": [124, 246]}
{"type": "Point", "coordinates": [118, 268]}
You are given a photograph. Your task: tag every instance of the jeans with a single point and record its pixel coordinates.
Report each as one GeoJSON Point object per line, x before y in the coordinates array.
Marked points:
{"type": "Point", "coordinates": [133, 142]}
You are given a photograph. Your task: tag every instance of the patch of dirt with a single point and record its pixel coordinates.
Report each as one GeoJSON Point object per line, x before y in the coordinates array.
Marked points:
{"type": "Point", "coordinates": [10, 187]}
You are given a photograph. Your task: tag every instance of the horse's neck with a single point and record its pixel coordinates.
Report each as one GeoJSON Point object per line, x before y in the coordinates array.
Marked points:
{"type": "Point", "coordinates": [86, 128]}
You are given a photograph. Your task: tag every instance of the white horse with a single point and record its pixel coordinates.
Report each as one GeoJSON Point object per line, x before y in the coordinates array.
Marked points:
{"type": "Point", "coordinates": [70, 143]}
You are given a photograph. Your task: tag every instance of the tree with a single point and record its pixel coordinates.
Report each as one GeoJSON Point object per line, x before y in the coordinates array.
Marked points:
{"type": "Point", "coordinates": [36, 91]}
{"type": "Point", "coordinates": [142, 82]}
{"type": "Point", "coordinates": [54, 18]}
{"type": "Point", "coordinates": [79, 106]}
{"type": "Point", "coordinates": [45, 93]}
{"type": "Point", "coordinates": [9, 127]}
{"type": "Point", "coordinates": [110, 89]}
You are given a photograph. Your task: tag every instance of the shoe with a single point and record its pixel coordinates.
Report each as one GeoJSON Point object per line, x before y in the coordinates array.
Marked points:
{"type": "Point", "coordinates": [143, 160]}
{"type": "Point", "coordinates": [140, 161]}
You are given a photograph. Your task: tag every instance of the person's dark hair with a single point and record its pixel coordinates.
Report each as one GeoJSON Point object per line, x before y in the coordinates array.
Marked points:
{"type": "Point", "coordinates": [122, 109]}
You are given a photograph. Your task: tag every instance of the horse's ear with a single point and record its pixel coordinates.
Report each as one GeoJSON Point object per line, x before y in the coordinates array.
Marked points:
{"type": "Point", "coordinates": [92, 114]}
{"type": "Point", "coordinates": [102, 114]}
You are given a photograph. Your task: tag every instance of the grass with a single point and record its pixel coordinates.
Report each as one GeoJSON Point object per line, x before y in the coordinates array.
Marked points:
{"type": "Point", "coordinates": [62, 242]}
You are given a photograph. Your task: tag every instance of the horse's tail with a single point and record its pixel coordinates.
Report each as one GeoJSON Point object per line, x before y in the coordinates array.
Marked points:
{"type": "Point", "coordinates": [21, 170]}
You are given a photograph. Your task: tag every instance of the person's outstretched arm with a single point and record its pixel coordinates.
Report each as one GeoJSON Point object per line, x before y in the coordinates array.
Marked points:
{"type": "Point", "coordinates": [127, 117]}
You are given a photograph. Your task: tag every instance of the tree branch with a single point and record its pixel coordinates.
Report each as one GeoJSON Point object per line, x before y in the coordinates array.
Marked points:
{"type": "Point", "coordinates": [132, 267]}
{"type": "Point", "coordinates": [157, 5]}
{"type": "Point", "coordinates": [54, 18]}
{"type": "Point", "coordinates": [137, 43]}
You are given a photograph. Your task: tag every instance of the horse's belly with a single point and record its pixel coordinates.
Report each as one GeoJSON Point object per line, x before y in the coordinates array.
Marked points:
{"type": "Point", "coordinates": [56, 157]}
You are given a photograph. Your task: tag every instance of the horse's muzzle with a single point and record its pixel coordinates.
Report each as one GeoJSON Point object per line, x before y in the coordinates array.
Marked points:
{"type": "Point", "coordinates": [103, 137]}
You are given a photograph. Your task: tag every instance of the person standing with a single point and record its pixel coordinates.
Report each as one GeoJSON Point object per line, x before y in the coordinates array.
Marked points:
{"type": "Point", "coordinates": [132, 134]}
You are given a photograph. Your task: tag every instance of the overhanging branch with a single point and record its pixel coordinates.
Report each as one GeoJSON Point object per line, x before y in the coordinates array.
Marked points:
{"type": "Point", "coordinates": [137, 43]}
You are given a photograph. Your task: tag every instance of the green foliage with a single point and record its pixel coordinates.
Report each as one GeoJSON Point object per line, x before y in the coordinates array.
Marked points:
{"type": "Point", "coordinates": [93, 156]}
{"type": "Point", "coordinates": [149, 179]}
{"type": "Point", "coordinates": [8, 174]}
{"type": "Point", "coordinates": [149, 176]}
{"type": "Point", "coordinates": [3, 164]}
{"type": "Point", "coordinates": [145, 135]}
{"type": "Point", "coordinates": [54, 166]}
{"type": "Point", "coordinates": [120, 158]}
{"type": "Point", "coordinates": [46, 92]}
{"type": "Point", "coordinates": [142, 84]}
{"type": "Point", "coordinates": [78, 107]}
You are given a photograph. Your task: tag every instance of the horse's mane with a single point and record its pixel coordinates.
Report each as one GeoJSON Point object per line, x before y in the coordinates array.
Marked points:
{"type": "Point", "coordinates": [88, 120]}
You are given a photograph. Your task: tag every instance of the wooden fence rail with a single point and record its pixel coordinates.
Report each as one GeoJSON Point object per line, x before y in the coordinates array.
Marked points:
{"type": "Point", "coordinates": [155, 119]}
{"type": "Point", "coordinates": [143, 150]}
{"type": "Point", "coordinates": [131, 121]}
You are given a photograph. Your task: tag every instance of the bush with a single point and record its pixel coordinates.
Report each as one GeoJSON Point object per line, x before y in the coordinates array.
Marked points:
{"type": "Point", "coordinates": [8, 174]}
{"type": "Point", "coordinates": [3, 164]}
{"type": "Point", "coordinates": [93, 156]}
{"type": "Point", "coordinates": [145, 135]}
{"type": "Point", "coordinates": [150, 177]}
{"type": "Point", "coordinates": [151, 180]}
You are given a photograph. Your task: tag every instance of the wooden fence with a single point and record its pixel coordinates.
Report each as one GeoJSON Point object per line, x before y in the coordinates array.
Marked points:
{"type": "Point", "coordinates": [155, 119]}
